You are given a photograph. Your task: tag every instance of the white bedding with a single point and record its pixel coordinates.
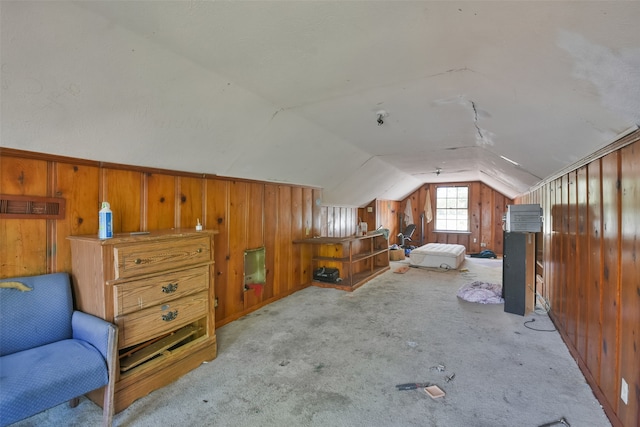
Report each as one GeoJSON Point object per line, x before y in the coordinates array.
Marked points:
{"type": "Point", "coordinates": [440, 255]}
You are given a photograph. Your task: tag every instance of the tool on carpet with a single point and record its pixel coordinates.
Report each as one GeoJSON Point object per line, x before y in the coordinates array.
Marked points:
{"type": "Point", "coordinates": [412, 386]}
{"type": "Point", "coordinates": [434, 392]}
{"type": "Point", "coordinates": [450, 377]}
{"type": "Point", "coordinates": [562, 421]}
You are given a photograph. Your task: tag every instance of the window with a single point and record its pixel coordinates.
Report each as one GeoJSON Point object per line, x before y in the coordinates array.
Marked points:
{"type": "Point", "coordinates": [452, 209]}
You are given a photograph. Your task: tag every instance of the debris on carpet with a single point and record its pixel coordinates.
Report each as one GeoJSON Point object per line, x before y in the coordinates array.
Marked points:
{"type": "Point", "coordinates": [481, 292]}
{"type": "Point", "coordinates": [434, 391]}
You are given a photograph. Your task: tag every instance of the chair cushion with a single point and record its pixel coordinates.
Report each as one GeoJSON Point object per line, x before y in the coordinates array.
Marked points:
{"type": "Point", "coordinates": [37, 317]}
{"type": "Point", "coordinates": [40, 378]}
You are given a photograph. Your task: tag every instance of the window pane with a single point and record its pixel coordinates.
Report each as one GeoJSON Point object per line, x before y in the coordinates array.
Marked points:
{"type": "Point", "coordinates": [452, 208]}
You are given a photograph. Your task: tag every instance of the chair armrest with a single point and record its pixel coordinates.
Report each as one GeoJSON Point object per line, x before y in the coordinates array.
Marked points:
{"type": "Point", "coordinates": [104, 337]}
{"type": "Point", "coordinates": [95, 331]}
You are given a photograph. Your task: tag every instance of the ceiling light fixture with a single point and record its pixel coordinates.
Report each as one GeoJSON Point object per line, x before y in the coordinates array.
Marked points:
{"type": "Point", "coordinates": [510, 161]}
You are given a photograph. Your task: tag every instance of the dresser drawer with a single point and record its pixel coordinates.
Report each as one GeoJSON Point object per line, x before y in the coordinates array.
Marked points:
{"type": "Point", "coordinates": [145, 293]}
{"type": "Point", "coordinates": [149, 323]}
{"type": "Point", "coordinates": [151, 257]}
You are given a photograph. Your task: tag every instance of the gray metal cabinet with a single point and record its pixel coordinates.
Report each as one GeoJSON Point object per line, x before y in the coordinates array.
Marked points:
{"type": "Point", "coordinates": [518, 272]}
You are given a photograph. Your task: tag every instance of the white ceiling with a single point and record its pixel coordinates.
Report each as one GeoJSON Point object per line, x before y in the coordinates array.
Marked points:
{"type": "Point", "coordinates": [291, 91]}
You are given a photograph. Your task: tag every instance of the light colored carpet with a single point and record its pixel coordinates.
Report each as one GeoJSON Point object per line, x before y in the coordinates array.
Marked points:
{"type": "Point", "coordinates": [324, 357]}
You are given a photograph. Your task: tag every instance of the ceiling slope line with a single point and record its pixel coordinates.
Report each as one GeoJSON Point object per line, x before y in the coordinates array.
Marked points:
{"type": "Point", "coordinates": [379, 87]}
{"type": "Point", "coordinates": [623, 139]}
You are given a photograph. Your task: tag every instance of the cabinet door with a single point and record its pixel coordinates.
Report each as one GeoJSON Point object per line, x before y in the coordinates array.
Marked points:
{"type": "Point", "coordinates": [513, 272]}
{"type": "Point", "coordinates": [518, 273]}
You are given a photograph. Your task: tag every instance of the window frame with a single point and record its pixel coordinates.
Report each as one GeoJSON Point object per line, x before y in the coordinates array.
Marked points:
{"type": "Point", "coordinates": [467, 209]}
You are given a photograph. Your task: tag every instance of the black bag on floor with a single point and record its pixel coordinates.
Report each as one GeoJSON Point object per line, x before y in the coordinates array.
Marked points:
{"type": "Point", "coordinates": [324, 274]}
{"type": "Point", "coordinates": [484, 254]}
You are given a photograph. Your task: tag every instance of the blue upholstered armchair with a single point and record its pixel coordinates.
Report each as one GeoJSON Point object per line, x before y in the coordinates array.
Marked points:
{"type": "Point", "coordinates": [49, 353]}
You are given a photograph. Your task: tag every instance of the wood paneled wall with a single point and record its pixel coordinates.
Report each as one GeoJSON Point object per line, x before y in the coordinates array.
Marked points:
{"type": "Point", "coordinates": [486, 208]}
{"type": "Point", "coordinates": [247, 214]}
{"type": "Point", "coordinates": [591, 271]}
{"type": "Point", "coordinates": [382, 213]}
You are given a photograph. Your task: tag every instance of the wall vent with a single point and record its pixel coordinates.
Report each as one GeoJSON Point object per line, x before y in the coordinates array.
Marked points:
{"type": "Point", "coordinates": [31, 207]}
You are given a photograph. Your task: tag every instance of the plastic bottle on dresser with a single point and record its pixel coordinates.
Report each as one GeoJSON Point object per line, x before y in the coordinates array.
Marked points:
{"type": "Point", "coordinates": [105, 222]}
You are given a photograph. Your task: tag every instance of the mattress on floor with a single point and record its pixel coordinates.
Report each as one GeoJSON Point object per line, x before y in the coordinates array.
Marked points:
{"type": "Point", "coordinates": [440, 255]}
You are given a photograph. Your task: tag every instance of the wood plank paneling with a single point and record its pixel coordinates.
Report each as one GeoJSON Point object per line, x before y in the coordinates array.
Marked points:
{"type": "Point", "coordinates": [217, 194]}
{"type": "Point", "coordinates": [629, 351]}
{"type": "Point", "coordinates": [327, 226]}
{"type": "Point", "coordinates": [283, 274]}
{"type": "Point", "coordinates": [610, 283]}
{"type": "Point", "coordinates": [351, 218]}
{"type": "Point", "coordinates": [160, 198]}
{"type": "Point", "coordinates": [78, 184]}
{"type": "Point", "coordinates": [255, 216]}
{"type": "Point", "coordinates": [548, 233]}
{"type": "Point", "coordinates": [570, 296]}
{"type": "Point", "coordinates": [307, 222]}
{"type": "Point", "coordinates": [386, 216]}
{"type": "Point", "coordinates": [595, 262]}
{"type": "Point", "coordinates": [318, 219]}
{"type": "Point", "coordinates": [237, 218]}
{"type": "Point", "coordinates": [485, 234]}
{"type": "Point", "coordinates": [20, 176]}
{"type": "Point", "coordinates": [189, 194]}
{"type": "Point", "coordinates": [255, 238]}
{"type": "Point", "coordinates": [475, 217]}
{"type": "Point", "coordinates": [23, 248]}
{"type": "Point", "coordinates": [337, 221]}
{"type": "Point", "coordinates": [123, 190]}
{"type": "Point", "coordinates": [271, 218]}
{"type": "Point", "coordinates": [556, 247]}
{"type": "Point", "coordinates": [500, 202]}
{"type": "Point", "coordinates": [297, 232]}
{"type": "Point", "coordinates": [564, 265]}
{"type": "Point", "coordinates": [582, 248]}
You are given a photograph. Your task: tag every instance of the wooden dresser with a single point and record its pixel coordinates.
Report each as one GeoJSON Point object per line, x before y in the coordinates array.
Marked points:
{"type": "Point", "coordinates": [158, 288]}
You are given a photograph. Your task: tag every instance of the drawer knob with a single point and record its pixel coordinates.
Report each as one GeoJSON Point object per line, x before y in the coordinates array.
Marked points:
{"type": "Point", "coordinates": [199, 250]}
{"type": "Point", "coordinates": [137, 261]}
{"type": "Point", "coordinates": [170, 316]}
{"type": "Point", "coordinates": [170, 288]}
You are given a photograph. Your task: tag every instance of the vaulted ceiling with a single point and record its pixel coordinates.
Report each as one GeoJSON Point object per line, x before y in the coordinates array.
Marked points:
{"type": "Point", "coordinates": [507, 93]}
